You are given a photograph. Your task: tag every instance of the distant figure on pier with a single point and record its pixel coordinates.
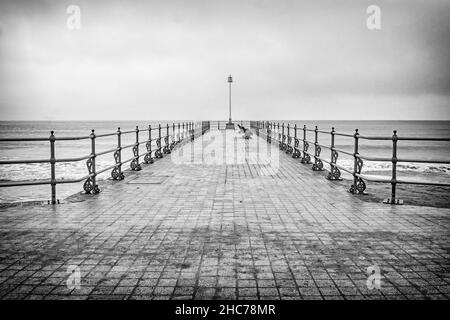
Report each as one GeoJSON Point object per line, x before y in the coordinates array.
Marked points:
{"type": "Point", "coordinates": [247, 133]}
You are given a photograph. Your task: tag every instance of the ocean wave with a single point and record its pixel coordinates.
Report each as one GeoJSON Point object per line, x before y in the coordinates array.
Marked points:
{"type": "Point", "coordinates": [369, 166]}
{"type": "Point", "coordinates": [40, 171]}
{"type": "Point", "coordinates": [76, 170]}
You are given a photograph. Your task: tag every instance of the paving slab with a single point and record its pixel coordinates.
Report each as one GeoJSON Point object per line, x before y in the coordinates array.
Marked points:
{"type": "Point", "coordinates": [224, 218]}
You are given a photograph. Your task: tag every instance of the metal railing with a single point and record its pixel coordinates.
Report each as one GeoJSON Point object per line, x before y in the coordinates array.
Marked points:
{"type": "Point", "coordinates": [291, 145]}
{"type": "Point", "coordinates": [221, 124]}
{"type": "Point", "coordinates": [165, 142]}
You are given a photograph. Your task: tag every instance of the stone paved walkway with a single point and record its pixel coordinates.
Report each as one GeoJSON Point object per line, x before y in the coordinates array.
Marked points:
{"type": "Point", "coordinates": [248, 229]}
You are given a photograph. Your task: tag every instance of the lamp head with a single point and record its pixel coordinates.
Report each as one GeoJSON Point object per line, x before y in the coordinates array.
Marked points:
{"type": "Point", "coordinates": [230, 79]}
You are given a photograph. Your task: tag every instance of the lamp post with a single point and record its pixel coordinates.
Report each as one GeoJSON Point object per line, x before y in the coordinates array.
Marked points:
{"type": "Point", "coordinates": [230, 125]}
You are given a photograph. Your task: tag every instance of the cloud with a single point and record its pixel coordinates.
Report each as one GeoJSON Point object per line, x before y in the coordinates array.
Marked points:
{"type": "Point", "coordinates": [170, 59]}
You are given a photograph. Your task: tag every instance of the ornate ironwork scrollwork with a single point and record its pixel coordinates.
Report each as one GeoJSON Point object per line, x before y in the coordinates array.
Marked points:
{"type": "Point", "coordinates": [318, 164]}
{"type": "Point", "coordinates": [89, 186]}
{"type": "Point", "coordinates": [289, 148]}
{"type": "Point", "coordinates": [360, 186]}
{"type": "Point", "coordinates": [158, 153]}
{"type": "Point", "coordinates": [166, 148]}
{"type": "Point", "coordinates": [174, 142]}
{"type": "Point", "coordinates": [117, 173]}
{"type": "Point", "coordinates": [148, 157]}
{"type": "Point", "coordinates": [335, 173]}
{"type": "Point", "coordinates": [306, 158]}
{"type": "Point", "coordinates": [135, 162]}
{"type": "Point", "coordinates": [283, 142]}
{"type": "Point", "coordinates": [359, 165]}
{"type": "Point", "coordinates": [296, 153]}
{"type": "Point", "coordinates": [334, 156]}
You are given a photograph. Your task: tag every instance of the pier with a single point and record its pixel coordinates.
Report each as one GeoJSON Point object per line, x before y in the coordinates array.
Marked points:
{"type": "Point", "coordinates": [208, 214]}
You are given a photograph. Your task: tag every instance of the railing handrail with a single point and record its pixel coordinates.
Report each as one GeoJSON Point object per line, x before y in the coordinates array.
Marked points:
{"type": "Point", "coordinates": [273, 132]}
{"type": "Point", "coordinates": [280, 133]}
{"type": "Point", "coordinates": [173, 135]}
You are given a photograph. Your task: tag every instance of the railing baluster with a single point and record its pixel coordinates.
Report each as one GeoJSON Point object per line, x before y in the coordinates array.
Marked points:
{"type": "Point", "coordinates": [117, 173]}
{"type": "Point", "coordinates": [289, 149]}
{"type": "Point", "coordinates": [335, 173]}
{"type": "Point", "coordinates": [358, 185]}
{"type": "Point", "coordinates": [158, 153]}
{"type": "Point", "coordinates": [318, 164]}
{"type": "Point", "coordinates": [135, 162]}
{"type": "Point", "coordinates": [90, 185]}
{"type": "Point", "coordinates": [172, 138]}
{"type": "Point", "coordinates": [278, 133]}
{"type": "Point", "coordinates": [306, 158]}
{"type": "Point", "coordinates": [52, 166]}
{"type": "Point", "coordinates": [296, 153]}
{"type": "Point", "coordinates": [148, 157]}
{"type": "Point", "coordinates": [166, 149]}
{"type": "Point", "coordinates": [393, 199]}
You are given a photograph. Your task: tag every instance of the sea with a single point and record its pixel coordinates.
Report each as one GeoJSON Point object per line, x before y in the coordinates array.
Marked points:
{"type": "Point", "coordinates": [427, 150]}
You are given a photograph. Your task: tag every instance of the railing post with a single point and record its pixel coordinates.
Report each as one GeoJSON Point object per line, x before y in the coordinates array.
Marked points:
{"type": "Point", "coordinates": [318, 164]}
{"type": "Point", "coordinates": [335, 173]}
{"type": "Point", "coordinates": [166, 149]}
{"type": "Point", "coordinates": [358, 185]}
{"type": "Point", "coordinates": [90, 185]}
{"type": "Point", "coordinates": [306, 158]}
{"type": "Point", "coordinates": [135, 162]}
{"type": "Point", "coordinates": [289, 149]}
{"type": "Point", "coordinates": [148, 157]}
{"type": "Point", "coordinates": [179, 133]}
{"type": "Point", "coordinates": [355, 158]}
{"type": "Point", "coordinates": [117, 173]}
{"type": "Point", "coordinates": [52, 166]}
{"type": "Point", "coordinates": [158, 153]}
{"type": "Point", "coordinates": [172, 144]}
{"type": "Point", "coordinates": [218, 124]}
{"type": "Point", "coordinates": [273, 130]}
{"type": "Point", "coordinates": [393, 199]}
{"type": "Point", "coordinates": [296, 153]}
{"type": "Point", "coordinates": [278, 133]}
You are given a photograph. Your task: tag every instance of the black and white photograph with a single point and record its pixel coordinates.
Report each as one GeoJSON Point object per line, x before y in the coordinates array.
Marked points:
{"type": "Point", "coordinates": [224, 156]}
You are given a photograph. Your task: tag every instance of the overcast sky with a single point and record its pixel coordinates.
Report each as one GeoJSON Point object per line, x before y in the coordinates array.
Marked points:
{"type": "Point", "coordinates": [170, 60]}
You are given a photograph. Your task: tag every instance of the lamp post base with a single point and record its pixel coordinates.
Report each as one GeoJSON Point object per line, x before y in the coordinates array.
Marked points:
{"type": "Point", "coordinates": [230, 125]}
